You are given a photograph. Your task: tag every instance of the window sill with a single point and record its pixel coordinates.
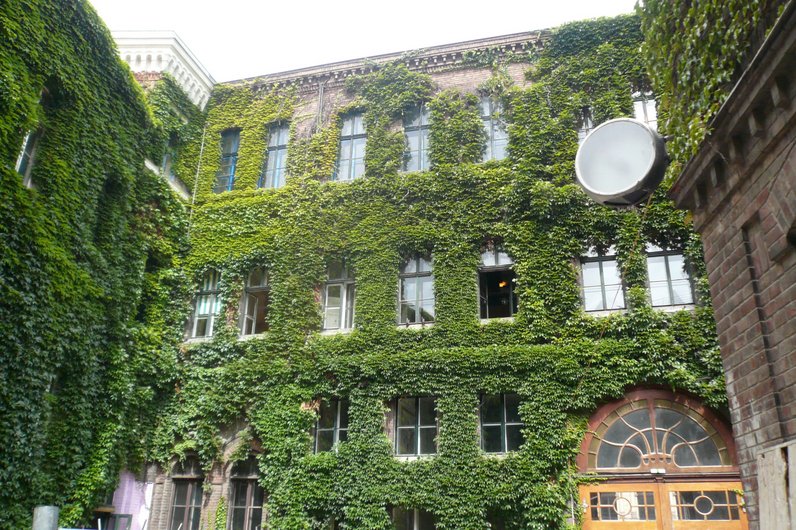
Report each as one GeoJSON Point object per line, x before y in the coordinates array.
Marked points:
{"type": "Point", "coordinates": [485, 321]}
{"type": "Point", "coordinates": [605, 312]}
{"type": "Point", "coordinates": [242, 338]}
{"type": "Point", "coordinates": [416, 325]}
{"type": "Point", "coordinates": [197, 340]}
{"type": "Point", "coordinates": [674, 308]}
{"type": "Point", "coordinates": [332, 332]}
{"type": "Point", "coordinates": [413, 458]}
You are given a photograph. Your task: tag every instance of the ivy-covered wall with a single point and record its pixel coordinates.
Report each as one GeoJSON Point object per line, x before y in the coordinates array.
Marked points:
{"type": "Point", "coordinates": [91, 293]}
{"type": "Point", "coordinates": [695, 52]}
{"type": "Point", "coordinates": [560, 360]}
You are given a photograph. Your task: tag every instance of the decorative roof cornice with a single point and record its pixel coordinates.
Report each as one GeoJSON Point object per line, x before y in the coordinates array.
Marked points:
{"type": "Point", "coordinates": [429, 60]}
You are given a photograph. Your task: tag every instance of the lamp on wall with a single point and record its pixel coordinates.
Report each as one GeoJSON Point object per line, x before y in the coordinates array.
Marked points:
{"type": "Point", "coordinates": [621, 162]}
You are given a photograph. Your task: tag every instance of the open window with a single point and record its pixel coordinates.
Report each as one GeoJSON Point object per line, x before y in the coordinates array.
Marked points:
{"type": "Point", "coordinates": [255, 302]}
{"type": "Point", "coordinates": [497, 284]}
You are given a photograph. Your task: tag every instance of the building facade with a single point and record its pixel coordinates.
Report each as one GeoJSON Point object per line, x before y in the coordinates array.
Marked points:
{"type": "Point", "coordinates": [405, 314]}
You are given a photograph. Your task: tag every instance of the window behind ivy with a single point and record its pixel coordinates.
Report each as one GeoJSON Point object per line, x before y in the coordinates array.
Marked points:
{"type": "Point", "coordinates": [207, 305]}
{"type": "Point", "coordinates": [225, 178]}
{"type": "Point", "coordinates": [501, 426]}
{"type": "Point", "coordinates": [602, 281]}
{"type": "Point", "coordinates": [416, 293]}
{"type": "Point", "coordinates": [415, 426]}
{"type": "Point", "coordinates": [255, 302]}
{"type": "Point", "coordinates": [332, 425]}
{"type": "Point", "coordinates": [669, 281]}
{"type": "Point", "coordinates": [338, 296]}
{"type": "Point", "coordinates": [412, 519]}
{"type": "Point", "coordinates": [186, 501]}
{"type": "Point", "coordinates": [497, 138]}
{"type": "Point", "coordinates": [496, 284]}
{"type": "Point", "coordinates": [585, 124]}
{"type": "Point", "coordinates": [275, 158]}
{"type": "Point", "coordinates": [416, 129]}
{"type": "Point", "coordinates": [27, 155]}
{"type": "Point", "coordinates": [351, 157]}
{"type": "Point", "coordinates": [246, 496]}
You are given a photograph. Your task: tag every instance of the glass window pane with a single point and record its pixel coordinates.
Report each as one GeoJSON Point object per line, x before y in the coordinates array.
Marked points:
{"type": "Point", "coordinates": [180, 493]}
{"type": "Point", "coordinates": [407, 441]}
{"type": "Point", "coordinates": [325, 441]}
{"type": "Point", "coordinates": [196, 492]}
{"type": "Point", "coordinates": [488, 258]}
{"type": "Point", "coordinates": [591, 274]}
{"type": "Point", "coordinates": [611, 274]}
{"type": "Point", "coordinates": [514, 437]}
{"type": "Point", "coordinates": [656, 268]}
{"type": "Point", "coordinates": [428, 415]}
{"type": "Point", "coordinates": [359, 124]}
{"type": "Point", "coordinates": [238, 518]}
{"type": "Point", "coordinates": [349, 316]}
{"type": "Point", "coordinates": [423, 265]}
{"type": "Point", "coordinates": [256, 520]}
{"type": "Point", "coordinates": [195, 515]}
{"type": "Point", "coordinates": [348, 127]}
{"type": "Point", "coordinates": [513, 408]}
{"type": "Point", "coordinates": [615, 297]}
{"type": "Point", "coordinates": [682, 292]}
{"type": "Point", "coordinates": [402, 519]}
{"type": "Point", "coordinates": [359, 148]}
{"type": "Point", "coordinates": [409, 313]}
{"type": "Point", "coordinates": [239, 490]}
{"type": "Point", "coordinates": [428, 443]}
{"type": "Point", "coordinates": [593, 298]}
{"type": "Point", "coordinates": [358, 169]}
{"type": "Point", "coordinates": [334, 295]}
{"type": "Point", "coordinates": [409, 289]}
{"type": "Point", "coordinates": [426, 287]}
{"type": "Point", "coordinates": [177, 518]}
{"type": "Point", "coordinates": [332, 318]}
{"type": "Point", "coordinates": [659, 294]}
{"type": "Point", "coordinates": [327, 413]}
{"type": "Point", "coordinates": [677, 267]}
{"type": "Point", "coordinates": [425, 520]}
{"type": "Point", "coordinates": [491, 409]}
{"type": "Point", "coordinates": [492, 439]}
{"type": "Point", "coordinates": [258, 494]}
{"type": "Point", "coordinates": [407, 412]}
{"type": "Point", "coordinates": [409, 266]}
{"type": "Point", "coordinates": [427, 310]}
{"type": "Point", "coordinates": [343, 423]}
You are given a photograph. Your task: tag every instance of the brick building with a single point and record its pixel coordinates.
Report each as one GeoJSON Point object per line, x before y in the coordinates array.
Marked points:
{"type": "Point", "coordinates": [741, 187]}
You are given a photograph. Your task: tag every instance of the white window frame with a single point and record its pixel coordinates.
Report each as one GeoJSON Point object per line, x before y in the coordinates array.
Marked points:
{"type": "Point", "coordinates": [349, 173]}
{"type": "Point", "coordinates": [347, 285]}
{"type": "Point", "coordinates": [207, 288]}
{"type": "Point", "coordinates": [422, 117]}
{"type": "Point", "coordinates": [490, 110]}
{"type": "Point", "coordinates": [416, 428]}
{"type": "Point", "coordinates": [503, 424]}
{"type": "Point", "coordinates": [593, 256]}
{"type": "Point", "coordinates": [278, 138]}
{"type": "Point", "coordinates": [654, 251]}
{"type": "Point", "coordinates": [336, 427]}
{"type": "Point", "coordinates": [413, 275]}
{"type": "Point", "coordinates": [645, 109]}
{"type": "Point", "coordinates": [249, 318]}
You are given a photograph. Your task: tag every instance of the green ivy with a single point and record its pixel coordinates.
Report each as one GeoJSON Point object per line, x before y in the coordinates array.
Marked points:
{"type": "Point", "coordinates": [561, 361]}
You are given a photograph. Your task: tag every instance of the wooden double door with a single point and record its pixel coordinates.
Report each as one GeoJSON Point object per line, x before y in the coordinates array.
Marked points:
{"type": "Point", "coordinates": [661, 505]}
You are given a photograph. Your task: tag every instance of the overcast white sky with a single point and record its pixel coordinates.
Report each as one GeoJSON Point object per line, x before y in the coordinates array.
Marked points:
{"type": "Point", "coordinates": [235, 39]}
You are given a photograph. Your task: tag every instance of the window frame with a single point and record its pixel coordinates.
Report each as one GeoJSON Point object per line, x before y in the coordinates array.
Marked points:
{"type": "Point", "coordinates": [338, 404]}
{"type": "Point", "coordinates": [250, 291]}
{"type": "Point", "coordinates": [187, 472]}
{"type": "Point", "coordinates": [585, 123]}
{"type": "Point", "coordinates": [496, 250]}
{"type": "Point", "coordinates": [644, 101]}
{"type": "Point", "coordinates": [27, 155]}
{"type": "Point", "coordinates": [416, 428]}
{"type": "Point", "coordinates": [252, 484]}
{"type": "Point", "coordinates": [228, 161]}
{"type": "Point", "coordinates": [417, 274]}
{"type": "Point", "coordinates": [666, 254]}
{"type": "Point", "coordinates": [213, 292]}
{"type": "Point", "coordinates": [278, 139]}
{"type": "Point", "coordinates": [602, 257]}
{"type": "Point", "coordinates": [504, 423]}
{"type": "Point", "coordinates": [347, 284]}
{"type": "Point", "coordinates": [415, 516]}
{"type": "Point", "coordinates": [350, 169]}
{"type": "Point", "coordinates": [493, 122]}
{"type": "Point", "coordinates": [423, 128]}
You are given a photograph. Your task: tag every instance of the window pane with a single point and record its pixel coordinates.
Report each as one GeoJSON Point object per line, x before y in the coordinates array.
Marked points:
{"type": "Point", "coordinates": [409, 266]}
{"type": "Point", "coordinates": [196, 492]}
{"type": "Point", "coordinates": [423, 265]}
{"type": "Point", "coordinates": [328, 411]}
{"type": "Point", "coordinates": [682, 292]}
{"type": "Point", "coordinates": [591, 273]}
{"type": "Point", "coordinates": [656, 268]}
{"type": "Point", "coordinates": [427, 311]}
{"type": "Point", "coordinates": [359, 168]}
{"type": "Point", "coordinates": [343, 424]}
{"type": "Point", "coordinates": [239, 489]}
{"type": "Point", "coordinates": [407, 412]}
{"type": "Point", "coordinates": [258, 494]}
{"type": "Point", "coordinates": [256, 520]}
{"type": "Point", "coordinates": [325, 441]}
{"type": "Point", "coordinates": [238, 517]}
{"type": "Point", "coordinates": [332, 318]}
{"type": "Point", "coordinates": [492, 439]}
{"type": "Point", "coordinates": [491, 409]}
{"type": "Point", "coordinates": [359, 124]}
{"type": "Point", "coordinates": [659, 294]}
{"type": "Point", "coordinates": [195, 515]}
{"type": "Point", "coordinates": [428, 415]}
{"type": "Point", "coordinates": [349, 316]}
{"type": "Point", "coordinates": [408, 313]}
{"type": "Point", "coordinates": [177, 518]}
{"type": "Point", "coordinates": [677, 267]}
{"type": "Point", "coordinates": [428, 444]}
{"type": "Point", "coordinates": [348, 127]}
{"type": "Point", "coordinates": [180, 493]}
{"type": "Point", "coordinates": [615, 297]}
{"type": "Point", "coordinates": [514, 437]}
{"type": "Point", "coordinates": [426, 288]}
{"type": "Point", "coordinates": [407, 442]}
{"type": "Point", "coordinates": [513, 408]}
{"type": "Point", "coordinates": [425, 520]}
{"type": "Point", "coordinates": [402, 519]}
{"type": "Point", "coordinates": [359, 148]}
{"type": "Point", "coordinates": [611, 273]}
{"type": "Point", "coordinates": [409, 289]}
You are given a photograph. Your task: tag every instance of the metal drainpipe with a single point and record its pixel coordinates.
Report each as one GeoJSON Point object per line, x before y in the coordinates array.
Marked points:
{"type": "Point", "coordinates": [196, 178]}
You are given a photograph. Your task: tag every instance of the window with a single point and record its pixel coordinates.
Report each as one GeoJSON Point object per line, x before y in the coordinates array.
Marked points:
{"type": "Point", "coordinates": [332, 425]}
{"type": "Point", "coordinates": [186, 504]}
{"type": "Point", "coordinates": [416, 426]}
{"type": "Point", "coordinates": [207, 305]}
{"type": "Point", "coordinates": [416, 128]}
{"type": "Point", "coordinates": [351, 159]}
{"type": "Point", "coordinates": [255, 302]}
{"type": "Point", "coordinates": [496, 284]}
{"type": "Point", "coordinates": [27, 156]}
{"type": "Point", "coordinates": [644, 109]}
{"type": "Point", "coordinates": [669, 281]}
{"type": "Point", "coordinates": [416, 297]}
{"type": "Point", "coordinates": [412, 519]}
{"type": "Point", "coordinates": [275, 158]}
{"type": "Point", "coordinates": [501, 426]}
{"type": "Point", "coordinates": [246, 496]}
{"type": "Point", "coordinates": [338, 296]}
{"type": "Point", "coordinates": [225, 178]}
{"type": "Point", "coordinates": [602, 282]}
{"type": "Point", "coordinates": [496, 136]}
{"type": "Point", "coordinates": [585, 124]}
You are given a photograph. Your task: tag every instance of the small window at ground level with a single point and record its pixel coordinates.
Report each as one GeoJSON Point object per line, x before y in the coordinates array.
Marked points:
{"type": "Point", "coordinates": [501, 426]}
{"type": "Point", "coordinates": [497, 284]}
{"type": "Point", "coordinates": [412, 519]}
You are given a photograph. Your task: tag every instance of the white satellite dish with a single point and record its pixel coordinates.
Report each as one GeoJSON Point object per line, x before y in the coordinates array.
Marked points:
{"type": "Point", "coordinates": [621, 162]}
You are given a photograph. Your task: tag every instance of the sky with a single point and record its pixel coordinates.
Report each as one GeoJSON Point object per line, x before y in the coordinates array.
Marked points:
{"type": "Point", "coordinates": [236, 39]}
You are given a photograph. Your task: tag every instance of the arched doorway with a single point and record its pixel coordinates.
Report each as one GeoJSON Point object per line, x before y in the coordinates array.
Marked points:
{"type": "Point", "coordinates": [667, 463]}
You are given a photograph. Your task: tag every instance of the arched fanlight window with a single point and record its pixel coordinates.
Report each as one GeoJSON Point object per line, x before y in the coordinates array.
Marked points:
{"type": "Point", "coordinates": [657, 432]}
